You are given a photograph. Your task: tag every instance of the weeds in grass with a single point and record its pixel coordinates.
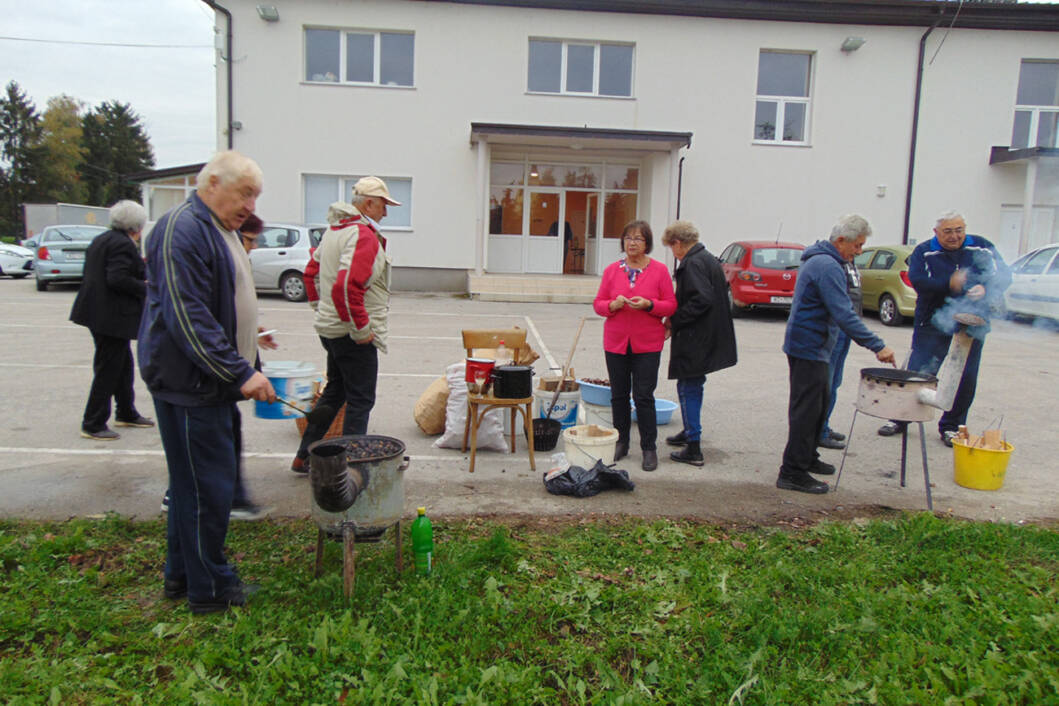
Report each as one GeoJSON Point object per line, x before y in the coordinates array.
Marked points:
{"type": "Point", "coordinates": [911, 610]}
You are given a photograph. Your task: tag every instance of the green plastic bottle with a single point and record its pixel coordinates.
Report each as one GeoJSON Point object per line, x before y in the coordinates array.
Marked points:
{"type": "Point", "coordinates": [422, 542]}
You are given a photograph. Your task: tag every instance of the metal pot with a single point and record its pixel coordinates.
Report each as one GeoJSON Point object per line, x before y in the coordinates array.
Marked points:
{"type": "Point", "coordinates": [889, 393]}
{"type": "Point", "coordinates": [378, 481]}
{"type": "Point", "coordinates": [512, 381]}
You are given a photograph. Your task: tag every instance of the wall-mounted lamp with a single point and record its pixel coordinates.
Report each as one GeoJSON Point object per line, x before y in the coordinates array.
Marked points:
{"type": "Point", "coordinates": [848, 44]}
{"type": "Point", "coordinates": [237, 125]}
{"type": "Point", "coordinates": [268, 13]}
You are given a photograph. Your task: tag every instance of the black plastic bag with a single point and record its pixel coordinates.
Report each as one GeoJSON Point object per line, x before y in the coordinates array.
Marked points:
{"type": "Point", "coordinates": [583, 483]}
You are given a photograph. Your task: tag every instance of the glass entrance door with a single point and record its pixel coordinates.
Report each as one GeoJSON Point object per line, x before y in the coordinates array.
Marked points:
{"type": "Point", "coordinates": [544, 246]}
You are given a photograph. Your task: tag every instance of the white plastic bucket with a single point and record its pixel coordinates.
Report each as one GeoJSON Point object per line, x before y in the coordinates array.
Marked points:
{"type": "Point", "coordinates": [565, 409]}
{"type": "Point", "coordinates": [293, 381]}
{"type": "Point", "coordinates": [587, 443]}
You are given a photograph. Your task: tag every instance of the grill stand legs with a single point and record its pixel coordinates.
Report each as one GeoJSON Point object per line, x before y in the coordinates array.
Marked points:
{"type": "Point", "coordinates": [349, 554]}
{"type": "Point", "coordinates": [904, 455]}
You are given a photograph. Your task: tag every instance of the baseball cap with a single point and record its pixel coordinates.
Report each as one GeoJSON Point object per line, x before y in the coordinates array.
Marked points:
{"type": "Point", "coordinates": [374, 186]}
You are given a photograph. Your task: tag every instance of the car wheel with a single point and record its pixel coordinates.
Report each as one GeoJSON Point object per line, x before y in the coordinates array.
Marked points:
{"type": "Point", "coordinates": [737, 311]}
{"type": "Point", "coordinates": [42, 286]}
{"type": "Point", "coordinates": [888, 313]}
{"type": "Point", "coordinates": [293, 287]}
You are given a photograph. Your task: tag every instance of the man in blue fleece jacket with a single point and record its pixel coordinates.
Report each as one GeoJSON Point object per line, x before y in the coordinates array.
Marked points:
{"type": "Point", "coordinates": [821, 308]}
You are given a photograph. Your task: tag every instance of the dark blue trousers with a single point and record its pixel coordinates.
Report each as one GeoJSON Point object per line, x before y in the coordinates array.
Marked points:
{"type": "Point", "coordinates": [838, 367]}
{"type": "Point", "coordinates": [352, 371]}
{"type": "Point", "coordinates": [635, 373]}
{"type": "Point", "coordinates": [929, 348]}
{"type": "Point", "coordinates": [201, 454]}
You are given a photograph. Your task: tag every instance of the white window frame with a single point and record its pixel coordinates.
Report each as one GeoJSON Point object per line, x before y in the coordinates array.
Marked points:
{"type": "Point", "coordinates": [342, 50]}
{"type": "Point", "coordinates": [345, 195]}
{"type": "Point", "coordinates": [596, 58]}
{"type": "Point", "coordinates": [1035, 120]}
{"type": "Point", "coordinates": [783, 101]}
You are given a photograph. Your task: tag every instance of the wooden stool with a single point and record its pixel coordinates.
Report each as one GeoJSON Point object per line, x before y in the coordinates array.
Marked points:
{"type": "Point", "coordinates": [479, 405]}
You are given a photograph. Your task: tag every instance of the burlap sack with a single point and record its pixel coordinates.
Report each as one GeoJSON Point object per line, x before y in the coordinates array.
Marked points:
{"type": "Point", "coordinates": [429, 411]}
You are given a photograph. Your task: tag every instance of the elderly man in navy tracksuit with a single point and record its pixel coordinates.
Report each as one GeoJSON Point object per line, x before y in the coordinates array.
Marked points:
{"type": "Point", "coordinates": [197, 338]}
{"type": "Point", "coordinates": [952, 272]}
{"type": "Point", "coordinates": [821, 307]}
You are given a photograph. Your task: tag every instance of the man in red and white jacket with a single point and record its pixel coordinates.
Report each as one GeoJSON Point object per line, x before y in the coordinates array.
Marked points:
{"type": "Point", "coordinates": [348, 284]}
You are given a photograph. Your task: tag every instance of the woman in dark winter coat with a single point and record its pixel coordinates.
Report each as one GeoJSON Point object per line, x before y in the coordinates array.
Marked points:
{"type": "Point", "coordinates": [109, 303]}
{"type": "Point", "coordinates": [703, 337]}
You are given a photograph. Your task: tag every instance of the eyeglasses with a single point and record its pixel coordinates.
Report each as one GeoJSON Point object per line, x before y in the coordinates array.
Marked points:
{"type": "Point", "coordinates": [634, 239]}
{"type": "Point", "coordinates": [952, 231]}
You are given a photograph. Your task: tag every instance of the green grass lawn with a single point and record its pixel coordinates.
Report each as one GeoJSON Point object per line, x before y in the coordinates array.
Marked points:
{"type": "Point", "coordinates": [910, 610]}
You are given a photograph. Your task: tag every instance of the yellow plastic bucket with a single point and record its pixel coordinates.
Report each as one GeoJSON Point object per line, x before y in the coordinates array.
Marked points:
{"type": "Point", "coordinates": [980, 468]}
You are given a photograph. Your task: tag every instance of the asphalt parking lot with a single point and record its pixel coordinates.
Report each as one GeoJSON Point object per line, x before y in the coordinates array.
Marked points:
{"type": "Point", "coordinates": [48, 471]}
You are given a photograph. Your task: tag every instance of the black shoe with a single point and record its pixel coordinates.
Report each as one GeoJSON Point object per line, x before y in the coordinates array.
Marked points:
{"type": "Point", "coordinates": [831, 441]}
{"type": "Point", "coordinates": [174, 590]}
{"type": "Point", "coordinates": [821, 468]}
{"type": "Point", "coordinates": [650, 460]}
{"type": "Point", "coordinates": [837, 436]}
{"type": "Point", "coordinates": [677, 439]}
{"type": "Point", "coordinates": [249, 512]}
{"type": "Point", "coordinates": [235, 595]}
{"type": "Point", "coordinates": [891, 428]}
{"type": "Point", "coordinates": [803, 483]}
{"type": "Point", "coordinates": [947, 436]}
{"type": "Point", "coordinates": [140, 422]}
{"type": "Point", "coordinates": [165, 502]}
{"type": "Point", "coordinates": [621, 450]}
{"type": "Point", "coordinates": [692, 453]}
{"type": "Point", "coordinates": [103, 434]}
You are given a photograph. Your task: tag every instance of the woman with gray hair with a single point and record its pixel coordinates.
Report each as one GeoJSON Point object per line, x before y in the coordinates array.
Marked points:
{"type": "Point", "coordinates": [109, 303]}
{"type": "Point", "coordinates": [703, 337]}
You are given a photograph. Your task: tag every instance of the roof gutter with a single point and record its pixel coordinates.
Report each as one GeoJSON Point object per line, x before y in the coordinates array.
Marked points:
{"type": "Point", "coordinates": [915, 127]}
{"type": "Point", "coordinates": [228, 61]}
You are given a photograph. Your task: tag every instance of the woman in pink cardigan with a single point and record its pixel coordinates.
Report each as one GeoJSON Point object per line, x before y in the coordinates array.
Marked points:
{"type": "Point", "coordinates": [636, 293]}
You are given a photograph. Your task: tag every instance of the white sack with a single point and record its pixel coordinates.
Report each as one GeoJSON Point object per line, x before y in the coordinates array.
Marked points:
{"type": "Point", "coordinates": [490, 431]}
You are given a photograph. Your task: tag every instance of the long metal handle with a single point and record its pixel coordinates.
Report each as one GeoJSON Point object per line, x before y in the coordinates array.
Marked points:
{"type": "Point", "coordinates": [566, 369]}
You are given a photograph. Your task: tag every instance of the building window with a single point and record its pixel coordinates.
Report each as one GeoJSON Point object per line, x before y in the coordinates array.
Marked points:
{"type": "Point", "coordinates": [321, 190]}
{"type": "Point", "coordinates": [782, 113]}
{"type": "Point", "coordinates": [359, 57]}
{"type": "Point", "coordinates": [580, 68]}
{"type": "Point", "coordinates": [1037, 105]}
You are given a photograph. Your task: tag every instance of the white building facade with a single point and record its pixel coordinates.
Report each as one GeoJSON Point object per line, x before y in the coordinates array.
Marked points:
{"type": "Point", "coordinates": [522, 136]}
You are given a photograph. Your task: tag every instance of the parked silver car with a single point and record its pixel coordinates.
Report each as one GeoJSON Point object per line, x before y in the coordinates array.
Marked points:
{"type": "Point", "coordinates": [1034, 290]}
{"type": "Point", "coordinates": [281, 255]}
{"type": "Point", "coordinates": [15, 261]}
{"type": "Point", "coordinates": [60, 253]}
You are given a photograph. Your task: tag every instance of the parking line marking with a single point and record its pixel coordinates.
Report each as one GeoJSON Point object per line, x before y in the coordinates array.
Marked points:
{"type": "Point", "coordinates": [157, 453]}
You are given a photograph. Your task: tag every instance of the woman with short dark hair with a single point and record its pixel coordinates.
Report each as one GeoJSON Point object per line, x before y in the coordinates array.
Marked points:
{"type": "Point", "coordinates": [635, 294]}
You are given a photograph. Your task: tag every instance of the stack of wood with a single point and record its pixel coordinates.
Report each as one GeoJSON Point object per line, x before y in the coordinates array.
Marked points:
{"type": "Point", "coordinates": [992, 439]}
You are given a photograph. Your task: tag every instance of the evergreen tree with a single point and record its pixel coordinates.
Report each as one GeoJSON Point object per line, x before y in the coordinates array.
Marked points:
{"type": "Point", "coordinates": [115, 145]}
{"type": "Point", "coordinates": [60, 178]}
{"type": "Point", "coordinates": [20, 133]}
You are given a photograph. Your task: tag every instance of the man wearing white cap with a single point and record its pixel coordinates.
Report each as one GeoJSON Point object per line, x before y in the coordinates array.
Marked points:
{"type": "Point", "coordinates": [348, 280]}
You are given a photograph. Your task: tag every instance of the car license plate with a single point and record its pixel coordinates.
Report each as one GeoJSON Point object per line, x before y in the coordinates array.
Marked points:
{"type": "Point", "coordinates": [780, 300]}
{"type": "Point", "coordinates": [75, 254]}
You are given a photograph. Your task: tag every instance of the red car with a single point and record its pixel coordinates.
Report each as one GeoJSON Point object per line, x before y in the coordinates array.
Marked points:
{"type": "Point", "coordinates": [761, 274]}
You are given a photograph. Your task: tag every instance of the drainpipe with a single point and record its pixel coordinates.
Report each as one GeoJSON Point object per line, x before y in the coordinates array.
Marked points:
{"type": "Point", "coordinates": [228, 61]}
{"type": "Point", "coordinates": [680, 182]}
{"type": "Point", "coordinates": [915, 127]}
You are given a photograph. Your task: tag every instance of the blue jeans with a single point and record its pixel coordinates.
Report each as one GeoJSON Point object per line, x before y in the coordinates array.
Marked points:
{"type": "Point", "coordinates": [200, 452]}
{"type": "Point", "coordinates": [929, 348]}
{"type": "Point", "coordinates": [689, 392]}
{"type": "Point", "coordinates": [838, 366]}
{"type": "Point", "coordinates": [635, 373]}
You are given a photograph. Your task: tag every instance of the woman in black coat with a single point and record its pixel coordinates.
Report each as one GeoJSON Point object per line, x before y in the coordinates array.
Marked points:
{"type": "Point", "coordinates": [703, 337]}
{"type": "Point", "coordinates": [109, 303]}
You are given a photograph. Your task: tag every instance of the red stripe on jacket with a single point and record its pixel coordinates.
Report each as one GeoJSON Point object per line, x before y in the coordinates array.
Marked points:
{"type": "Point", "coordinates": [349, 288]}
{"type": "Point", "coordinates": [309, 275]}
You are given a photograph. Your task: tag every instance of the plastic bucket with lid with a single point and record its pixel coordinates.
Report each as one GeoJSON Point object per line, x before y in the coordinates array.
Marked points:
{"type": "Point", "coordinates": [293, 381]}
{"type": "Point", "coordinates": [587, 443]}
{"type": "Point", "coordinates": [980, 468]}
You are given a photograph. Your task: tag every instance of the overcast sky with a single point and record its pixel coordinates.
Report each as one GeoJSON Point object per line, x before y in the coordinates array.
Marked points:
{"type": "Point", "coordinates": [173, 90]}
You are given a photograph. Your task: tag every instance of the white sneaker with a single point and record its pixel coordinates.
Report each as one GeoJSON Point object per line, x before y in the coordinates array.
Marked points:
{"type": "Point", "coordinates": [249, 512]}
